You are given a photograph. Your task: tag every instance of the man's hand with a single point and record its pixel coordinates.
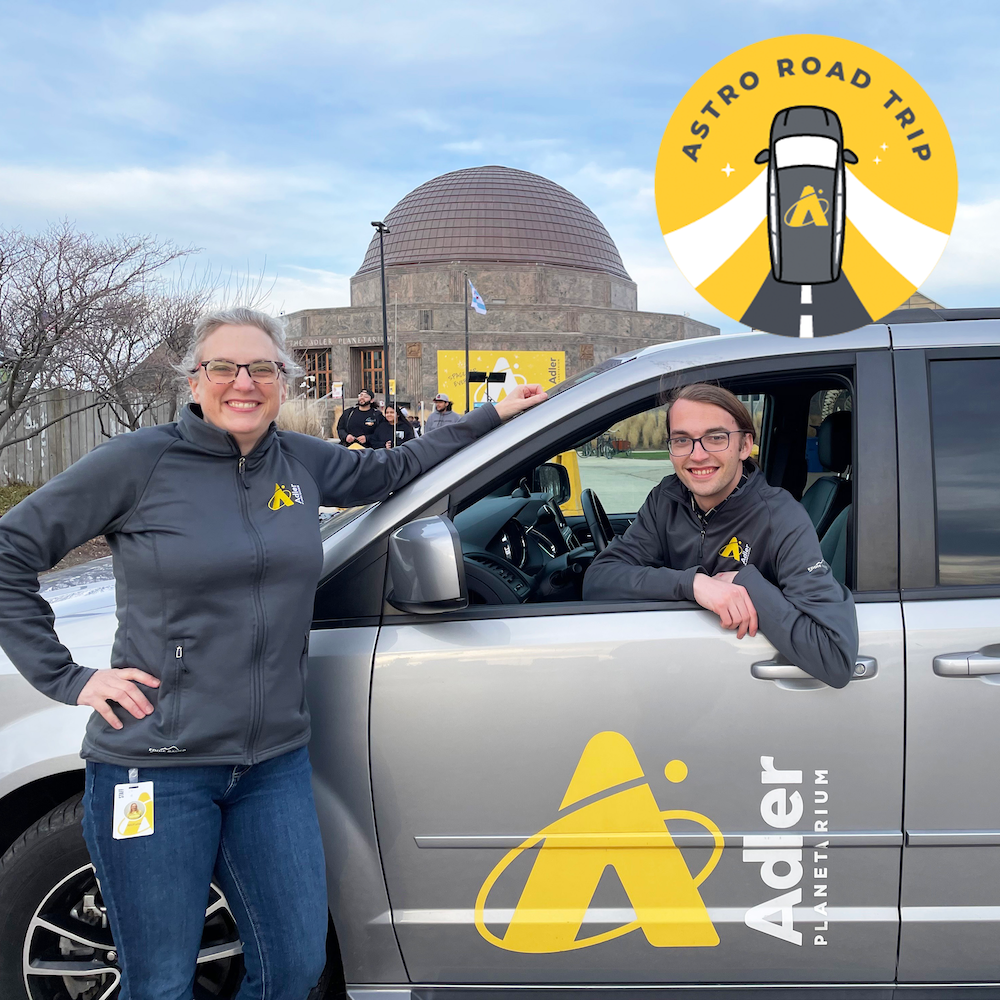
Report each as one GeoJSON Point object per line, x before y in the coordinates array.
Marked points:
{"type": "Point", "coordinates": [522, 398]}
{"type": "Point", "coordinates": [361, 439]}
{"type": "Point", "coordinates": [350, 439]}
{"type": "Point", "coordinates": [728, 600]}
{"type": "Point", "coordinates": [117, 685]}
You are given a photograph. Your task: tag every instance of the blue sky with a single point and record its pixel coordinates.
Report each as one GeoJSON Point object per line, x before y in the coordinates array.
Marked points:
{"type": "Point", "coordinates": [270, 134]}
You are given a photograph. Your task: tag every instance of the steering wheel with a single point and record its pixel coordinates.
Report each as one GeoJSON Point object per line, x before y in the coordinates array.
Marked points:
{"type": "Point", "coordinates": [597, 520]}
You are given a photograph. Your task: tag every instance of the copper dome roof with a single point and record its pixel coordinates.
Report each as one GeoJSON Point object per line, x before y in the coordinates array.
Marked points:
{"type": "Point", "coordinates": [492, 214]}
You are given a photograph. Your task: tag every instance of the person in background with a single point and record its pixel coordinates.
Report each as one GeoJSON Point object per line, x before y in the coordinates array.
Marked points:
{"type": "Point", "coordinates": [395, 430]}
{"type": "Point", "coordinates": [442, 416]}
{"type": "Point", "coordinates": [413, 420]}
{"type": "Point", "coordinates": [361, 424]}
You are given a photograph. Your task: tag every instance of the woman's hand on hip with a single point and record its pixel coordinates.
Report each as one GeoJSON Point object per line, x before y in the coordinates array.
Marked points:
{"type": "Point", "coordinates": [521, 398]}
{"type": "Point", "coordinates": [118, 685]}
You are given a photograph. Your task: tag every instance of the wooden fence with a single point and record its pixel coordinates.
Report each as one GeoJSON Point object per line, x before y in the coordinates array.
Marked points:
{"type": "Point", "coordinates": [56, 448]}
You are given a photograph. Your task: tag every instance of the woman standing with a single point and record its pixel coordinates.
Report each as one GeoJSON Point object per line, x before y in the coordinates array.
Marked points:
{"type": "Point", "coordinates": [397, 428]}
{"type": "Point", "coordinates": [213, 525]}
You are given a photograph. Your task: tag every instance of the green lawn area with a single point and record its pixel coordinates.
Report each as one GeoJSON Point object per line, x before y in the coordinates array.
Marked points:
{"type": "Point", "coordinates": [657, 456]}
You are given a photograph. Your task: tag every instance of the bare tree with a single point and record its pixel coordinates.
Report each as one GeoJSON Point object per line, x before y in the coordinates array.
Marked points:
{"type": "Point", "coordinates": [128, 354]}
{"type": "Point", "coordinates": [55, 289]}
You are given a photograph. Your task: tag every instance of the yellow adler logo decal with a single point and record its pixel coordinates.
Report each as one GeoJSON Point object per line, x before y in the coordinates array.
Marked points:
{"type": "Point", "coordinates": [809, 210]}
{"type": "Point", "coordinates": [735, 549]}
{"type": "Point", "coordinates": [623, 830]}
{"type": "Point", "coordinates": [281, 498]}
{"type": "Point", "coordinates": [285, 496]}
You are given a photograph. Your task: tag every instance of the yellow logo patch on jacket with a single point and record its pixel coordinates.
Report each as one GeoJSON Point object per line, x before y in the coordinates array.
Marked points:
{"type": "Point", "coordinates": [735, 549]}
{"type": "Point", "coordinates": [285, 496]}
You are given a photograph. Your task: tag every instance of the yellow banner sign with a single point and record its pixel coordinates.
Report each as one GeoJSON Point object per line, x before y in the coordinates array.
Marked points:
{"type": "Point", "coordinates": [546, 368]}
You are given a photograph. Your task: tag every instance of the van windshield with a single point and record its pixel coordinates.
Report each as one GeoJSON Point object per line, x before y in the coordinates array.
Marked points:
{"type": "Point", "coordinates": [805, 151]}
{"type": "Point", "coordinates": [333, 519]}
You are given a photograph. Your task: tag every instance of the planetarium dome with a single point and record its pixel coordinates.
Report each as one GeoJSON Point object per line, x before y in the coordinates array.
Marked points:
{"type": "Point", "coordinates": [495, 215]}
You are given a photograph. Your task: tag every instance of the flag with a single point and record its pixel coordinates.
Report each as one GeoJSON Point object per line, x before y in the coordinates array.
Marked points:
{"type": "Point", "coordinates": [477, 302]}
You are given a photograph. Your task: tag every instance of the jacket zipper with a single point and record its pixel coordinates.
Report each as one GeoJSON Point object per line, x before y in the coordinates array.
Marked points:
{"type": "Point", "coordinates": [256, 666]}
{"type": "Point", "coordinates": [179, 670]}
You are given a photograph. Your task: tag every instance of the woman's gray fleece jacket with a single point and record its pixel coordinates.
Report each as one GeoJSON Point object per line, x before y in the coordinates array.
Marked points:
{"type": "Point", "coordinates": [216, 561]}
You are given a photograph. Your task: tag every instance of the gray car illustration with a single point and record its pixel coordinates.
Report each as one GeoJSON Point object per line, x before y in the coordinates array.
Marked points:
{"type": "Point", "coordinates": [806, 195]}
{"type": "Point", "coordinates": [522, 793]}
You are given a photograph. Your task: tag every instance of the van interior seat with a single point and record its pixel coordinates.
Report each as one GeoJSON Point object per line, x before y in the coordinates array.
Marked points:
{"type": "Point", "coordinates": [833, 545]}
{"type": "Point", "coordinates": [828, 496]}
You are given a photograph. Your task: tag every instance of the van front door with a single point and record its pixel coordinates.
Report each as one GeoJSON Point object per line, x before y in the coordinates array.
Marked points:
{"type": "Point", "coordinates": [615, 797]}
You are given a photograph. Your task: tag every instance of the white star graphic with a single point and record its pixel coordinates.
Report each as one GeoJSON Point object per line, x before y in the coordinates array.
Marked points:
{"type": "Point", "coordinates": [727, 170]}
{"type": "Point", "coordinates": [876, 160]}
{"type": "Point", "coordinates": [884, 147]}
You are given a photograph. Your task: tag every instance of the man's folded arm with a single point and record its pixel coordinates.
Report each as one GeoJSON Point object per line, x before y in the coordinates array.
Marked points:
{"type": "Point", "coordinates": [809, 617]}
{"type": "Point", "coordinates": [632, 567]}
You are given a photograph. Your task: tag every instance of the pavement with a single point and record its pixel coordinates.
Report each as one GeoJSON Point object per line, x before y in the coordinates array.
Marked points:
{"type": "Point", "coordinates": [623, 483]}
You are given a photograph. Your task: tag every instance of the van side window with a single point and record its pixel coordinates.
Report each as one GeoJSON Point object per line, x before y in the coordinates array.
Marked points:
{"type": "Point", "coordinates": [822, 404]}
{"type": "Point", "coordinates": [630, 458]}
{"type": "Point", "coordinates": [965, 428]}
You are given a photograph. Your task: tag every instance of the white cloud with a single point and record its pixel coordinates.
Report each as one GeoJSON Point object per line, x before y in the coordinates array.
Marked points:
{"type": "Point", "coordinates": [191, 189]}
{"type": "Point", "coordinates": [234, 213]}
{"type": "Point", "coordinates": [972, 256]}
{"type": "Point", "coordinates": [377, 32]}
{"type": "Point", "coordinates": [308, 288]}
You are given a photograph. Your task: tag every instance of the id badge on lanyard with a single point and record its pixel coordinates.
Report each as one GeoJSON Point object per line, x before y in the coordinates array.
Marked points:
{"type": "Point", "coordinates": [132, 812]}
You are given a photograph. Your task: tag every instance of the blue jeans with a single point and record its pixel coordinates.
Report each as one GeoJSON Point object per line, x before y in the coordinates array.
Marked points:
{"type": "Point", "coordinates": [252, 828]}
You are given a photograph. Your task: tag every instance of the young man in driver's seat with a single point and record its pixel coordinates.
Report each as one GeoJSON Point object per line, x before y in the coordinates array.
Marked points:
{"type": "Point", "coordinates": [717, 533]}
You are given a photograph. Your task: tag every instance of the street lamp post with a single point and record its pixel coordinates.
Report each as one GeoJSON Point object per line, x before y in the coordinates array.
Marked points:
{"type": "Point", "coordinates": [383, 230]}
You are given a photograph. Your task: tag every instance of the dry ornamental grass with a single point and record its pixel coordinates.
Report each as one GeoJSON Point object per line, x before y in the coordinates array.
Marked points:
{"type": "Point", "coordinates": [306, 416]}
{"type": "Point", "coordinates": [13, 493]}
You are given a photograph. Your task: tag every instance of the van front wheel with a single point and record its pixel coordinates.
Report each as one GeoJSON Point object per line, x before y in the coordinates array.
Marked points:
{"type": "Point", "coordinates": [54, 934]}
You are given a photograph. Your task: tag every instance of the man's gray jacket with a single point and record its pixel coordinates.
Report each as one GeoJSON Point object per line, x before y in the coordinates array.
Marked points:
{"type": "Point", "coordinates": [762, 532]}
{"type": "Point", "coordinates": [435, 421]}
{"type": "Point", "coordinates": [216, 561]}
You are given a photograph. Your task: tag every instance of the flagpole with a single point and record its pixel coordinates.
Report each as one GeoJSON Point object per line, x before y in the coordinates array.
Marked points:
{"type": "Point", "coordinates": [466, 275]}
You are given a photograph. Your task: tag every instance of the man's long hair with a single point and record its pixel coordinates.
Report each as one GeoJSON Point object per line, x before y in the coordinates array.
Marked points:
{"type": "Point", "coordinates": [705, 392]}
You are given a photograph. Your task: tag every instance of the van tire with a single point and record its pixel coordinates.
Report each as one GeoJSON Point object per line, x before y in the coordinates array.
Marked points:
{"type": "Point", "coordinates": [52, 845]}
{"type": "Point", "coordinates": [43, 855]}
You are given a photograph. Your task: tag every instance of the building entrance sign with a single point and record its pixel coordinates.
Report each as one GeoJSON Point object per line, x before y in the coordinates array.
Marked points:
{"type": "Point", "coordinates": [806, 185]}
{"type": "Point", "coordinates": [547, 368]}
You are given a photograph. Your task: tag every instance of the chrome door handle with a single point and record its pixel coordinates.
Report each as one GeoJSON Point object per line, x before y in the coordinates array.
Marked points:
{"type": "Point", "coordinates": [771, 670]}
{"type": "Point", "coordinates": [973, 664]}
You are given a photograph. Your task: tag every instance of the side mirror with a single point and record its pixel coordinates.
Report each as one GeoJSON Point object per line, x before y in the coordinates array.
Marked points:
{"type": "Point", "coordinates": [850, 156]}
{"type": "Point", "coordinates": [763, 156]}
{"type": "Point", "coordinates": [553, 479]}
{"type": "Point", "coordinates": [425, 563]}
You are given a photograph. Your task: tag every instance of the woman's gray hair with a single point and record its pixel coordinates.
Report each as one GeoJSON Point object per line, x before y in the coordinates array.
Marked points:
{"type": "Point", "coordinates": [239, 316]}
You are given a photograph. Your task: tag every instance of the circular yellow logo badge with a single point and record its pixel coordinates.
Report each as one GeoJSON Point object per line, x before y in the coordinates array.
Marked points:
{"type": "Point", "coordinates": [806, 185]}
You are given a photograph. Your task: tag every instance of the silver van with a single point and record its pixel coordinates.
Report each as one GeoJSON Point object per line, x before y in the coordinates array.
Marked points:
{"type": "Point", "coordinates": [521, 791]}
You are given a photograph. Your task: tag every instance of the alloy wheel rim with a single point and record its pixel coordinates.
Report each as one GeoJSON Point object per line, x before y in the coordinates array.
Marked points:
{"type": "Point", "coordinates": [69, 950]}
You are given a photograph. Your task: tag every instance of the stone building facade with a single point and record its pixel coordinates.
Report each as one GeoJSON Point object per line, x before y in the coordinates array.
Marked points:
{"type": "Point", "coordinates": [551, 278]}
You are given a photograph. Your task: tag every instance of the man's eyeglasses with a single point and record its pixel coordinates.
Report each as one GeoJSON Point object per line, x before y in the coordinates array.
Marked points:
{"type": "Point", "coordinates": [222, 372]}
{"type": "Point", "coordinates": [679, 447]}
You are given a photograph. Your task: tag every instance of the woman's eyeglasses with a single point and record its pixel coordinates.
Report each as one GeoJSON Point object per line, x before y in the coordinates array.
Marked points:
{"type": "Point", "coordinates": [222, 372]}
